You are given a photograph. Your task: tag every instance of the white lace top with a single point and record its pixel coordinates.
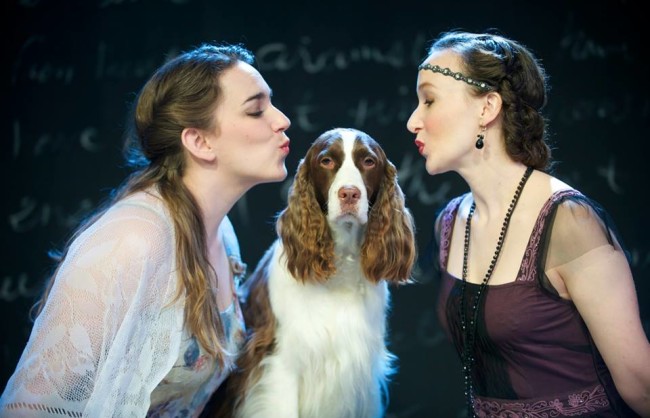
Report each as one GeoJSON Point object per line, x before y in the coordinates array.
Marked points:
{"type": "Point", "coordinates": [110, 331]}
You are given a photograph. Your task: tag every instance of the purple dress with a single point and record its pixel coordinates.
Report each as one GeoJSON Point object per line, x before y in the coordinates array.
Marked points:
{"type": "Point", "coordinates": [534, 354]}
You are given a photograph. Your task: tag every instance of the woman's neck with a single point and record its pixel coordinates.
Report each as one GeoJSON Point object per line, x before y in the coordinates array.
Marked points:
{"type": "Point", "coordinates": [492, 187]}
{"type": "Point", "coordinates": [215, 196]}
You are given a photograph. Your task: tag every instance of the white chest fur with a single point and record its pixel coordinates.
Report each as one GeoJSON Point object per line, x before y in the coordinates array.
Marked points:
{"type": "Point", "coordinates": [330, 359]}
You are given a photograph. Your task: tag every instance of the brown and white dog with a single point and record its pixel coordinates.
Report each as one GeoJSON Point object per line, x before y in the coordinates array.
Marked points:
{"type": "Point", "coordinates": [317, 303]}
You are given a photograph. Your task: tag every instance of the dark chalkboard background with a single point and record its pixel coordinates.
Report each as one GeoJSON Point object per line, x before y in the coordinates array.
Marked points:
{"type": "Point", "coordinates": [71, 68]}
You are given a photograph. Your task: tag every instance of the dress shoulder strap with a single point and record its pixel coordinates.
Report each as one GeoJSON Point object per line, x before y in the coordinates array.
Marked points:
{"type": "Point", "coordinates": [537, 242]}
{"type": "Point", "coordinates": [447, 218]}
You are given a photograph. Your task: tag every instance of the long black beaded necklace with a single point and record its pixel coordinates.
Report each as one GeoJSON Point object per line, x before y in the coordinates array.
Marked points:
{"type": "Point", "coordinates": [469, 332]}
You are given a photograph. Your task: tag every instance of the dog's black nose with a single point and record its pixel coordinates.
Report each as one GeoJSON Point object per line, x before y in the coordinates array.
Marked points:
{"type": "Point", "coordinates": [349, 195]}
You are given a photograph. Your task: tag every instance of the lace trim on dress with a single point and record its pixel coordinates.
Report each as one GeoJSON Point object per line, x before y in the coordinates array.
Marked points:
{"type": "Point", "coordinates": [446, 228]}
{"type": "Point", "coordinates": [528, 269]}
{"type": "Point", "coordinates": [587, 401]}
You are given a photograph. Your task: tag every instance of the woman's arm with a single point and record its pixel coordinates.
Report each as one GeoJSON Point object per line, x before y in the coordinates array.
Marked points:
{"type": "Point", "coordinates": [100, 342]}
{"type": "Point", "coordinates": [599, 280]}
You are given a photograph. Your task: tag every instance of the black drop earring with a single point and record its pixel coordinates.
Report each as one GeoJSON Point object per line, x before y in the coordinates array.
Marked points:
{"type": "Point", "coordinates": [479, 141]}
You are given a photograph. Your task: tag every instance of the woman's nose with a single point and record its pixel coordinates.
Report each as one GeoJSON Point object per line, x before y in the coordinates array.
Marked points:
{"type": "Point", "coordinates": [282, 122]}
{"type": "Point", "coordinates": [413, 123]}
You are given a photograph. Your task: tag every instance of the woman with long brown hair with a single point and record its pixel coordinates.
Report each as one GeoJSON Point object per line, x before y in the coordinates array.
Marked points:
{"type": "Point", "coordinates": [140, 317]}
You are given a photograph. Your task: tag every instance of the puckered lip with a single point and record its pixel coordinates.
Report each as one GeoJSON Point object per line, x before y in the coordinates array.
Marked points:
{"type": "Point", "coordinates": [285, 146]}
{"type": "Point", "coordinates": [420, 145]}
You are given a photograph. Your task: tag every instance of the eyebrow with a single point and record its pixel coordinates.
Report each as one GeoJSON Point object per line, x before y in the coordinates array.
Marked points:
{"type": "Point", "coordinates": [425, 84]}
{"type": "Point", "coordinates": [258, 96]}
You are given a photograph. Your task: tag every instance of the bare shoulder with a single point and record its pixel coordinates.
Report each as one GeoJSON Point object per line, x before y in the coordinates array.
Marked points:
{"type": "Point", "coordinates": [538, 191]}
{"type": "Point", "coordinates": [557, 185]}
{"type": "Point", "coordinates": [548, 184]}
{"type": "Point", "coordinates": [541, 186]}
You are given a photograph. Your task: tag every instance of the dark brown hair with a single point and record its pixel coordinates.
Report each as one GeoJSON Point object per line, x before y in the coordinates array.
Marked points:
{"type": "Point", "coordinates": [517, 75]}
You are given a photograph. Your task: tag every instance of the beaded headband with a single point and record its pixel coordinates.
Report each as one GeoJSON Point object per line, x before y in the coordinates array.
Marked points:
{"type": "Point", "coordinates": [483, 86]}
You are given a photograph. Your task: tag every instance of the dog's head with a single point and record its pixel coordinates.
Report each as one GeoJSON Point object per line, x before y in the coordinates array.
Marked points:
{"type": "Point", "coordinates": [346, 183]}
{"type": "Point", "coordinates": [346, 168]}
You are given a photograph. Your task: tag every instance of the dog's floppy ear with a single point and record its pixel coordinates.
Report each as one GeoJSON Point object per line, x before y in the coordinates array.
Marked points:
{"type": "Point", "coordinates": [303, 228]}
{"type": "Point", "coordinates": [389, 251]}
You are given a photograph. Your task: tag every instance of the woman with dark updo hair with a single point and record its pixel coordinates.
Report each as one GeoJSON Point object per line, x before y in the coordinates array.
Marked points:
{"type": "Point", "coordinates": [140, 316]}
{"type": "Point", "coordinates": [536, 291]}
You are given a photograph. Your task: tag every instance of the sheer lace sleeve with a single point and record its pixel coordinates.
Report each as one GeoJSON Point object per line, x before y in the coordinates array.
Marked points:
{"type": "Point", "coordinates": [579, 226]}
{"type": "Point", "coordinates": [110, 330]}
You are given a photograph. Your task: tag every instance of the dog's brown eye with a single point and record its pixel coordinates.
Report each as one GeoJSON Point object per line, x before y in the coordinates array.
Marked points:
{"type": "Point", "coordinates": [369, 162]}
{"type": "Point", "coordinates": [327, 162]}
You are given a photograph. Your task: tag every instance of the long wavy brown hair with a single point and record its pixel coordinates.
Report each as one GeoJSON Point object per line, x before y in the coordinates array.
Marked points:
{"type": "Point", "coordinates": [184, 92]}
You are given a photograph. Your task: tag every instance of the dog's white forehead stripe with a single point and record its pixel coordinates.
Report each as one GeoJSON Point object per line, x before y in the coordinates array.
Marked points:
{"type": "Point", "coordinates": [348, 139]}
{"type": "Point", "coordinates": [348, 174]}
